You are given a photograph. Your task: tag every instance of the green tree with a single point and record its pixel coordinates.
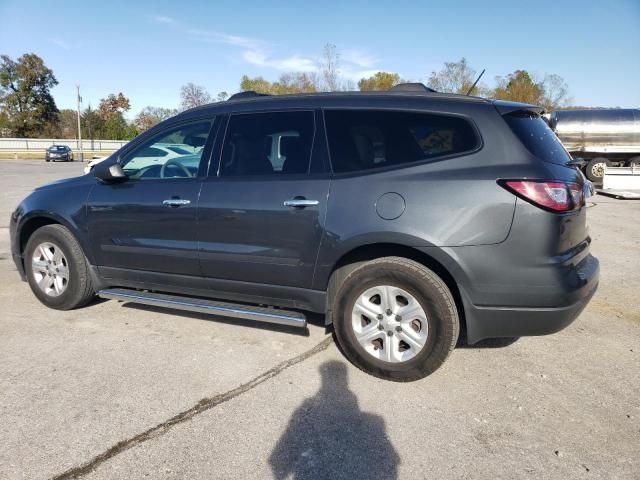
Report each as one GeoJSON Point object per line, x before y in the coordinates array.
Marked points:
{"type": "Point", "coordinates": [519, 86]}
{"type": "Point", "coordinates": [256, 84]}
{"type": "Point", "coordinates": [67, 124]}
{"type": "Point", "coordinates": [5, 128]}
{"type": "Point", "coordinates": [116, 127]}
{"type": "Point", "coordinates": [381, 81]}
{"type": "Point", "coordinates": [300, 82]}
{"type": "Point", "coordinates": [454, 77]}
{"type": "Point", "coordinates": [92, 124]}
{"type": "Point", "coordinates": [131, 132]}
{"type": "Point", "coordinates": [25, 94]}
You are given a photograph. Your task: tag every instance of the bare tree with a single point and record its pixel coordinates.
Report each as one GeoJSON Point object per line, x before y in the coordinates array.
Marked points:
{"type": "Point", "coordinates": [222, 96]}
{"type": "Point", "coordinates": [192, 95]}
{"type": "Point", "coordinates": [454, 77]}
{"type": "Point", "coordinates": [555, 92]}
{"type": "Point", "coordinates": [150, 116]}
{"type": "Point", "coordinates": [330, 68]}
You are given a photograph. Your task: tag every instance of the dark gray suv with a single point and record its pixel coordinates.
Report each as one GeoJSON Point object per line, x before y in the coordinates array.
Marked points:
{"type": "Point", "coordinates": [408, 218]}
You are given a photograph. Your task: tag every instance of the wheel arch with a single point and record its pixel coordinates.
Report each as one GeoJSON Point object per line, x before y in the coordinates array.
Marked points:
{"type": "Point", "coordinates": [363, 253]}
{"type": "Point", "coordinates": [36, 220]}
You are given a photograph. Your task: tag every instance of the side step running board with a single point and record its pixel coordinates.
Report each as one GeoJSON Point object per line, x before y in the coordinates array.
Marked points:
{"type": "Point", "coordinates": [247, 312]}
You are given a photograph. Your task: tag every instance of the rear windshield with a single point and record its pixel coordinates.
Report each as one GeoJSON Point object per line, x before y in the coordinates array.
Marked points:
{"type": "Point", "coordinates": [536, 135]}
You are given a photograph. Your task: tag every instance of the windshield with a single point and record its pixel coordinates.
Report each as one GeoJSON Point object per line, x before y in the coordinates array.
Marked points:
{"type": "Point", "coordinates": [536, 135]}
{"type": "Point", "coordinates": [57, 148]}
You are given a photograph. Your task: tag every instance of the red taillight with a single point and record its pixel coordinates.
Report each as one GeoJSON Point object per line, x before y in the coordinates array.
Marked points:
{"type": "Point", "coordinates": [553, 196]}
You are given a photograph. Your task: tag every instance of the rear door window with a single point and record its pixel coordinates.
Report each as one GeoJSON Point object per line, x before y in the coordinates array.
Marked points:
{"type": "Point", "coordinates": [366, 139]}
{"type": "Point", "coordinates": [536, 135]}
{"type": "Point", "coordinates": [272, 143]}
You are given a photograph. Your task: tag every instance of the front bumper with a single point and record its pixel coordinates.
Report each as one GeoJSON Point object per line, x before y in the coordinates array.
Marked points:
{"type": "Point", "coordinates": [15, 245]}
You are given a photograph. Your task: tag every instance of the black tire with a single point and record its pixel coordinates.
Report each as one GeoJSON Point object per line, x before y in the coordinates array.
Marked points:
{"type": "Point", "coordinates": [594, 170]}
{"type": "Point", "coordinates": [431, 293]}
{"type": "Point", "coordinates": [47, 160]}
{"type": "Point", "coordinates": [79, 290]}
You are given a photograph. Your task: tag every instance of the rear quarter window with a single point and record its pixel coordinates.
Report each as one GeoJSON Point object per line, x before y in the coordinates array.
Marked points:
{"type": "Point", "coordinates": [365, 139]}
{"type": "Point", "coordinates": [536, 135]}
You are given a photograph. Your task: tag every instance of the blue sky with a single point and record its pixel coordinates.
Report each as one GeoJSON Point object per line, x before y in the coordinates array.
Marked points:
{"type": "Point", "coordinates": [148, 50]}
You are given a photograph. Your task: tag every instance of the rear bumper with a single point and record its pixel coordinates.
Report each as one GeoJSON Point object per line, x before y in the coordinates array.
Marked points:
{"type": "Point", "coordinates": [504, 321]}
{"type": "Point", "coordinates": [495, 322]}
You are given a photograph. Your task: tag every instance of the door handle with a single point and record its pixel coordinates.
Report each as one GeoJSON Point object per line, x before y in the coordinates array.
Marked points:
{"type": "Point", "coordinates": [176, 202]}
{"type": "Point", "coordinates": [301, 203]}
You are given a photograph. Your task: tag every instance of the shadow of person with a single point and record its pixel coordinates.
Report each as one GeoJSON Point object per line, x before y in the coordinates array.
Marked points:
{"type": "Point", "coordinates": [328, 436]}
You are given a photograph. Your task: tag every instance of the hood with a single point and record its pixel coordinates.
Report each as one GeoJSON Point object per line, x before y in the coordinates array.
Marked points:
{"type": "Point", "coordinates": [65, 182]}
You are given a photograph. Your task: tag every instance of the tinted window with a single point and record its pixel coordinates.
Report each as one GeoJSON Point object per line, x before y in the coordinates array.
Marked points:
{"type": "Point", "coordinates": [154, 160]}
{"type": "Point", "coordinates": [364, 139]}
{"type": "Point", "coordinates": [268, 144]}
{"type": "Point", "coordinates": [539, 139]}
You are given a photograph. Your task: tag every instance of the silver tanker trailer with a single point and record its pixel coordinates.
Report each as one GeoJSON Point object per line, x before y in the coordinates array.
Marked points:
{"type": "Point", "coordinates": [602, 137]}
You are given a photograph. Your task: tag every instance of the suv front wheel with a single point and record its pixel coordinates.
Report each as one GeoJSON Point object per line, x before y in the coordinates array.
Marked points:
{"type": "Point", "coordinates": [395, 319]}
{"type": "Point", "coordinates": [56, 268]}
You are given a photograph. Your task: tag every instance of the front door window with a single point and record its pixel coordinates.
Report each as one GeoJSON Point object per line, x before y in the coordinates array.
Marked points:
{"type": "Point", "coordinates": [172, 154]}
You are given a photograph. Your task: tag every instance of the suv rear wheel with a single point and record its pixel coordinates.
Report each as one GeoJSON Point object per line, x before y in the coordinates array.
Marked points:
{"type": "Point", "coordinates": [56, 268]}
{"type": "Point", "coordinates": [395, 319]}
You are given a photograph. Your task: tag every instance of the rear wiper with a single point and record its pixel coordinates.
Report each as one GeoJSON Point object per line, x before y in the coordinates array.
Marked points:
{"type": "Point", "coordinates": [577, 162]}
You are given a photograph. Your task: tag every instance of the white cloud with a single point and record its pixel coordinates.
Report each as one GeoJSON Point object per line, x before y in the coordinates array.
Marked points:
{"type": "Point", "coordinates": [60, 43]}
{"type": "Point", "coordinates": [209, 36]}
{"type": "Point", "coordinates": [164, 19]}
{"type": "Point", "coordinates": [358, 57]}
{"type": "Point", "coordinates": [354, 64]}
{"type": "Point", "coordinates": [355, 74]}
{"type": "Point", "coordinates": [256, 52]}
{"type": "Point", "coordinates": [294, 63]}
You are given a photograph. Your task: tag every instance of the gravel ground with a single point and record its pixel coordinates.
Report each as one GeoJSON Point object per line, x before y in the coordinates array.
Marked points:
{"type": "Point", "coordinates": [116, 391]}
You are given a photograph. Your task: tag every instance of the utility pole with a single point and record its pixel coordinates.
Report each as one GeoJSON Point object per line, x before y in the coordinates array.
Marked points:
{"type": "Point", "coordinates": [79, 129]}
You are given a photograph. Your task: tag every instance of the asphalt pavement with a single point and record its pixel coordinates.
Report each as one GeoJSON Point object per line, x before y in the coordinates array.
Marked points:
{"type": "Point", "coordinates": [121, 391]}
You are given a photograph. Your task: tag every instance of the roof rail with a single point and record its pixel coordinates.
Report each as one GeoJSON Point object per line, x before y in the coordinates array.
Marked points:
{"type": "Point", "coordinates": [247, 94]}
{"type": "Point", "coordinates": [412, 87]}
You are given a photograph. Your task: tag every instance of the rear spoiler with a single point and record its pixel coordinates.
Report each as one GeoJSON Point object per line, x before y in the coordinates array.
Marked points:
{"type": "Point", "coordinates": [504, 107]}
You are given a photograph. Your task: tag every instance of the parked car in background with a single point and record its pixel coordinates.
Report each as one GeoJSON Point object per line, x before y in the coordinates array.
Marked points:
{"type": "Point", "coordinates": [58, 153]}
{"type": "Point", "coordinates": [604, 137]}
{"type": "Point", "coordinates": [157, 153]}
{"type": "Point", "coordinates": [407, 218]}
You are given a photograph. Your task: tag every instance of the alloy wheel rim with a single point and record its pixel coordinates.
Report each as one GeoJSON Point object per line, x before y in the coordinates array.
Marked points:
{"type": "Point", "coordinates": [50, 269]}
{"type": "Point", "coordinates": [389, 323]}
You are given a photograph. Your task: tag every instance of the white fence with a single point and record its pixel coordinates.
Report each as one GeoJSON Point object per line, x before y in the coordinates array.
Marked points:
{"type": "Point", "coordinates": [35, 144]}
